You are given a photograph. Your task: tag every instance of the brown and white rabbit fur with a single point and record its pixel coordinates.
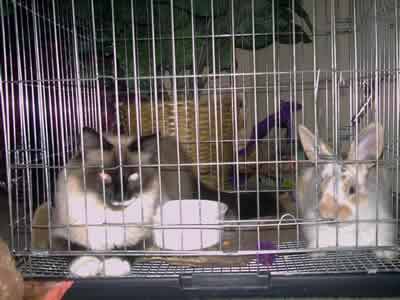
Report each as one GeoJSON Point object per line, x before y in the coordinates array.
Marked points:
{"type": "Point", "coordinates": [333, 191]}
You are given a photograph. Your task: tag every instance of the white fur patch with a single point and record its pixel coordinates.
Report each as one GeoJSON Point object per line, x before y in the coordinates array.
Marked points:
{"type": "Point", "coordinates": [347, 235]}
{"type": "Point", "coordinates": [72, 207]}
{"type": "Point", "coordinates": [329, 170]}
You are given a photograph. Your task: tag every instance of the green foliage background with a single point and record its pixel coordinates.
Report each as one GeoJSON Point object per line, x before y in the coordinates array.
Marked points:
{"type": "Point", "coordinates": [208, 22]}
{"type": "Point", "coordinates": [213, 30]}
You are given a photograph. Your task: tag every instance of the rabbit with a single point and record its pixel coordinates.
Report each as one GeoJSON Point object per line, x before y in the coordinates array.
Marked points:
{"type": "Point", "coordinates": [347, 194]}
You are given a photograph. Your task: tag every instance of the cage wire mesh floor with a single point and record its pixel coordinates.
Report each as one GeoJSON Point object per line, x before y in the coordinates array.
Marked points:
{"type": "Point", "coordinates": [82, 77]}
{"type": "Point", "coordinates": [357, 261]}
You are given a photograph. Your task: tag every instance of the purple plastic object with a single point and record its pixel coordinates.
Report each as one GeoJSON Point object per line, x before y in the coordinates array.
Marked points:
{"type": "Point", "coordinates": [287, 108]}
{"type": "Point", "coordinates": [266, 259]}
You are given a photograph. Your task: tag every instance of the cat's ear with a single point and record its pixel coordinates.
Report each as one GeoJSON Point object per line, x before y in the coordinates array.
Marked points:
{"type": "Point", "coordinates": [148, 147]}
{"type": "Point", "coordinates": [148, 143]}
{"type": "Point", "coordinates": [92, 140]}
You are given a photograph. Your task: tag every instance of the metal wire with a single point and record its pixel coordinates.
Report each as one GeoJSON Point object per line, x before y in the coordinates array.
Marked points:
{"type": "Point", "coordinates": [363, 262]}
{"type": "Point", "coordinates": [62, 71]}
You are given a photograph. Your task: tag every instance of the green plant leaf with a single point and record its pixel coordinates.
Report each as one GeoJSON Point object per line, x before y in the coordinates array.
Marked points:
{"type": "Point", "coordinates": [8, 8]}
{"type": "Point", "coordinates": [287, 37]}
{"type": "Point", "coordinates": [184, 51]}
{"type": "Point", "coordinates": [201, 8]}
{"type": "Point", "coordinates": [181, 35]}
{"type": "Point", "coordinates": [224, 56]}
{"type": "Point", "coordinates": [300, 11]}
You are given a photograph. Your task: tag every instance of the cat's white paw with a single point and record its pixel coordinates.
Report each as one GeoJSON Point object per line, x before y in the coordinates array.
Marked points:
{"type": "Point", "coordinates": [97, 239]}
{"type": "Point", "coordinates": [116, 267]}
{"type": "Point", "coordinates": [86, 266]}
{"type": "Point", "coordinates": [386, 254]}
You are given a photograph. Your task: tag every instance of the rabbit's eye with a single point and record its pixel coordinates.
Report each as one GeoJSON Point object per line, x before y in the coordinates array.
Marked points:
{"type": "Point", "coordinates": [352, 190]}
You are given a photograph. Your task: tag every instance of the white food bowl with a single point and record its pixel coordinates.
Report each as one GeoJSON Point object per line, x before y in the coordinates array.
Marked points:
{"type": "Point", "coordinates": [184, 238]}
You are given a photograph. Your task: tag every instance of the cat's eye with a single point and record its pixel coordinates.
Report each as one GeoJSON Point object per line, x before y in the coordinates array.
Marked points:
{"type": "Point", "coordinates": [133, 177]}
{"type": "Point", "coordinates": [352, 190]}
{"type": "Point", "coordinates": [105, 177]}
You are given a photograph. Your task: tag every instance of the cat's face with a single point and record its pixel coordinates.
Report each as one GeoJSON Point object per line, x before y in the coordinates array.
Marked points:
{"type": "Point", "coordinates": [121, 180]}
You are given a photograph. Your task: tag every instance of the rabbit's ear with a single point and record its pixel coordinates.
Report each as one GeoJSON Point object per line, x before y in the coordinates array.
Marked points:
{"type": "Point", "coordinates": [308, 141]}
{"type": "Point", "coordinates": [370, 146]}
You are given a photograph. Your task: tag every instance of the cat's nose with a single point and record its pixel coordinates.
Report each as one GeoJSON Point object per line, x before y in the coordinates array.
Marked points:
{"type": "Point", "coordinates": [120, 200]}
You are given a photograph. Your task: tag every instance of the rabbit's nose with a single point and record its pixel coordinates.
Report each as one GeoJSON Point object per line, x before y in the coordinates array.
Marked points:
{"type": "Point", "coordinates": [344, 213]}
{"type": "Point", "coordinates": [328, 207]}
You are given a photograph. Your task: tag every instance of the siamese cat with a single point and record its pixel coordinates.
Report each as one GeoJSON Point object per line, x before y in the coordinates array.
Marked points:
{"type": "Point", "coordinates": [113, 206]}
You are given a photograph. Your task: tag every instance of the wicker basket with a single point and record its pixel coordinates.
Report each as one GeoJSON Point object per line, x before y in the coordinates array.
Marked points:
{"type": "Point", "coordinates": [213, 125]}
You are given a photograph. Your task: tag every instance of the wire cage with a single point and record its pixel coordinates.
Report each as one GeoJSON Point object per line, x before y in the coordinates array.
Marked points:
{"type": "Point", "coordinates": [231, 83]}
